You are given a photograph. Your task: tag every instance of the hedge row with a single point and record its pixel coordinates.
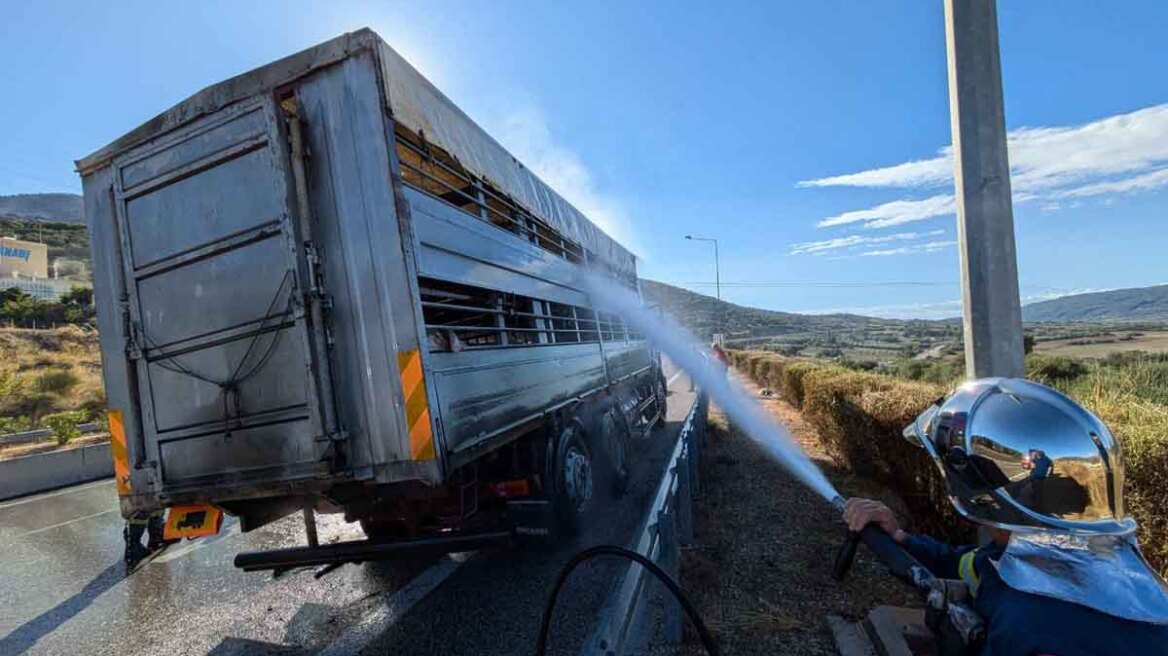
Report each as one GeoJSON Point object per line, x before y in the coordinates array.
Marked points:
{"type": "Point", "coordinates": [860, 417]}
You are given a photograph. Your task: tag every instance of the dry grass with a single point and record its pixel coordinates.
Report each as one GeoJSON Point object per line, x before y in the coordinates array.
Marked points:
{"type": "Point", "coordinates": [1142, 429]}
{"type": "Point", "coordinates": [761, 576]}
{"type": "Point", "coordinates": [1154, 342]}
{"type": "Point", "coordinates": [46, 371]}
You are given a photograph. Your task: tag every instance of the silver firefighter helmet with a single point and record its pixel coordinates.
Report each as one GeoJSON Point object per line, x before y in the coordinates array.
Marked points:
{"type": "Point", "coordinates": [1021, 456]}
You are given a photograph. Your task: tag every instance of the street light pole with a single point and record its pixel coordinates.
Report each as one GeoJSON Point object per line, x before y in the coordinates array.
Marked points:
{"type": "Point", "coordinates": [717, 265]}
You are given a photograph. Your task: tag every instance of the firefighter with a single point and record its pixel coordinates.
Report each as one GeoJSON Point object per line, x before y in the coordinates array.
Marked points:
{"type": "Point", "coordinates": [720, 355]}
{"type": "Point", "coordinates": [1062, 573]}
{"type": "Point", "coordinates": [149, 523]}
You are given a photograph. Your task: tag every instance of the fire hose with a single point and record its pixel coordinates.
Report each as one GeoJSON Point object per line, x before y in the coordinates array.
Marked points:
{"type": "Point", "coordinates": [960, 631]}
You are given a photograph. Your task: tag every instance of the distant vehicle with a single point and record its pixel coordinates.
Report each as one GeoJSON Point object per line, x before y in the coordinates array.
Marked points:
{"type": "Point", "coordinates": [321, 286]}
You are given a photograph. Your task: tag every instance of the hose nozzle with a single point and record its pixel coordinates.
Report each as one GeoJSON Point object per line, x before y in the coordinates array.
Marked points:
{"type": "Point", "coordinates": [838, 502]}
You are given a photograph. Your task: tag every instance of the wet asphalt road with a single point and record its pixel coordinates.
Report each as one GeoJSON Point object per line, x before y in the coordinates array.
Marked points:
{"type": "Point", "coordinates": [63, 591]}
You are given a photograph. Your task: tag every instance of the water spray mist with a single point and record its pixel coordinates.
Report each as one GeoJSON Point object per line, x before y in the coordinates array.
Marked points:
{"type": "Point", "coordinates": [734, 399]}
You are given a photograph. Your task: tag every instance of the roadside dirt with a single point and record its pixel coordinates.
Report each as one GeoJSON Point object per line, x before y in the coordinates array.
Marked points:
{"type": "Point", "coordinates": [761, 572]}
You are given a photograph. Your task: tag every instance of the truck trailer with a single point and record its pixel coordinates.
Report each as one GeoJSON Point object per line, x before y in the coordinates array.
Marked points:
{"type": "Point", "coordinates": [321, 287]}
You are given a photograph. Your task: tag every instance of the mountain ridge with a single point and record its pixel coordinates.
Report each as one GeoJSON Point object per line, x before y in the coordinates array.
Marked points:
{"type": "Point", "coordinates": [61, 207]}
{"type": "Point", "coordinates": [1130, 304]}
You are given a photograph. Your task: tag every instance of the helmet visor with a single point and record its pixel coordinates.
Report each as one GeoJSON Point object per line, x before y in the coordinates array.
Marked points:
{"type": "Point", "coordinates": [918, 431]}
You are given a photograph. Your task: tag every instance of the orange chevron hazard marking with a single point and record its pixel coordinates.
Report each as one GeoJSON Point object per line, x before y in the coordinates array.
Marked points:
{"type": "Point", "coordinates": [417, 405]}
{"type": "Point", "coordinates": [117, 428]}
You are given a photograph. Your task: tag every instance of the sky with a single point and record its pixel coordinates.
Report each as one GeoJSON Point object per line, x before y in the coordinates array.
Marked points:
{"type": "Point", "coordinates": [810, 138]}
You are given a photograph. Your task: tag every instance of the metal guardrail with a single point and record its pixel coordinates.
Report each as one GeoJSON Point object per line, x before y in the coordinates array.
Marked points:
{"type": "Point", "coordinates": [40, 434]}
{"type": "Point", "coordinates": [626, 624]}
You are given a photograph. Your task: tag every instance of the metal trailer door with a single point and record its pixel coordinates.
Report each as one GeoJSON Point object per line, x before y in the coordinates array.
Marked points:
{"type": "Point", "coordinates": [228, 382]}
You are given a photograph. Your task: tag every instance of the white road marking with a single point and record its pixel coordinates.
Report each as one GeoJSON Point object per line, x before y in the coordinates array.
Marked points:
{"type": "Point", "coordinates": [66, 523]}
{"type": "Point", "coordinates": [57, 493]}
{"type": "Point", "coordinates": [392, 607]}
{"type": "Point", "coordinates": [669, 383]}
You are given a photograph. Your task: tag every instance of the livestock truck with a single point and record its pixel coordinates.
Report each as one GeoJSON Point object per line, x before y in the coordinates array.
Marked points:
{"type": "Point", "coordinates": [322, 287]}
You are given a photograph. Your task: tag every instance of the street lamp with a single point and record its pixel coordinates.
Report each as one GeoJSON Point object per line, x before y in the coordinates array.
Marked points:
{"type": "Point", "coordinates": [717, 267]}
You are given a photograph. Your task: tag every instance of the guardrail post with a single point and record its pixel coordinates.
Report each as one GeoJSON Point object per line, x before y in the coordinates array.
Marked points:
{"type": "Point", "coordinates": [698, 445]}
{"type": "Point", "coordinates": [685, 524]}
{"type": "Point", "coordinates": [670, 608]}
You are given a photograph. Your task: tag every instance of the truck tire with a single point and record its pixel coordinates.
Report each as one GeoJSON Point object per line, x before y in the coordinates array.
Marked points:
{"type": "Point", "coordinates": [661, 393]}
{"type": "Point", "coordinates": [573, 473]}
{"type": "Point", "coordinates": [614, 436]}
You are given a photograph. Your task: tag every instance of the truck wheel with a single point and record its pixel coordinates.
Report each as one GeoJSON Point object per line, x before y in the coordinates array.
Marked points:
{"type": "Point", "coordinates": [614, 435]}
{"type": "Point", "coordinates": [661, 394]}
{"type": "Point", "coordinates": [573, 474]}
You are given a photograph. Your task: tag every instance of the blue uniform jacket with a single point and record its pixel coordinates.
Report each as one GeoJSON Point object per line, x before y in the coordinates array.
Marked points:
{"type": "Point", "coordinates": [1024, 624]}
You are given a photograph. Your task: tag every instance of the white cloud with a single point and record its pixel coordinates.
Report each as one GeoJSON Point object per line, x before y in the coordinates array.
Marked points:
{"type": "Point", "coordinates": [927, 247]}
{"type": "Point", "coordinates": [897, 212]}
{"type": "Point", "coordinates": [844, 243]}
{"type": "Point", "coordinates": [1125, 153]}
{"type": "Point", "coordinates": [1044, 157]}
{"type": "Point", "coordinates": [1143, 182]}
{"type": "Point", "coordinates": [921, 173]}
{"type": "Point", "coordinates": [526, 133]}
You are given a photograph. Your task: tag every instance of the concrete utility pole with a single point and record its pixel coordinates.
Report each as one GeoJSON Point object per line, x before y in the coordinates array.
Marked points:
{"type": "Point", "coordinates": [985, 218]}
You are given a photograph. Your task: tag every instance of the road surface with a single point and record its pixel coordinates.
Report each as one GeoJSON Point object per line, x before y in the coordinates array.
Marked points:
{"type": "Point", "coordinates": [64, 591]}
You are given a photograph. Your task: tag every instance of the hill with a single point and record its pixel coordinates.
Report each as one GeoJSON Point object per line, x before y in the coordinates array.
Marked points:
{"type": "Point", "coordinates": [49, 207]}
{"type": "Point", "coordinates": [65, 239]}
{"type": "Point", "coordinates": [703, 314]}
{"type": "Point", "coordinates": [822, 335]}
{"type": "Point", "coordinates": [1138, 304]}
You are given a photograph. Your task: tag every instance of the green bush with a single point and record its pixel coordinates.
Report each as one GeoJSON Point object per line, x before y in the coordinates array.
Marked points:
{"type": "Point", "coordinates": [56, 381]}
{"type": "Point", "coordinates": [1052, 370]}
{"type": "Point", "coordinates": [13, 425]}
{"type": "Point", "coordinates": [64, 425]}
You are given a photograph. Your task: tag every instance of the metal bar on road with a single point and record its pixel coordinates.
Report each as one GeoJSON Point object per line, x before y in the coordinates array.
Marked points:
{"type": "Point", "coordinates": [365, 550]}
{"type": "Point", "coordinates": [985, 219]}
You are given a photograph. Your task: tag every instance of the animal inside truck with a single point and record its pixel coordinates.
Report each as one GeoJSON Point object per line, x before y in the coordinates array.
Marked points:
{"type": "Point", "coordinates": [322, 287]}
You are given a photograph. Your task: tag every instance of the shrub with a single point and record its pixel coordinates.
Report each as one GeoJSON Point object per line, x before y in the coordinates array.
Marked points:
{"type": "Point", "coordinates": [793, 375]}
{"type": "Point", "coordinates": [56, 381]}
{"type": "Point", "coordinates": [1053, 369]}
{"type": "Point", "coordinates": [64, 425]}
{"type": "Point", "coordinates": [13, 425]}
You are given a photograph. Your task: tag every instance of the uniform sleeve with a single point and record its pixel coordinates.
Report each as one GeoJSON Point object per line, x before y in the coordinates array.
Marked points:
{"type": "Point", "coordinates": [939, 558]}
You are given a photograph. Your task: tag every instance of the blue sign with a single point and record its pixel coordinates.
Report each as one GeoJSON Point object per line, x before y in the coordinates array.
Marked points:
{"type": "Point", "coordinates": [19, 253]}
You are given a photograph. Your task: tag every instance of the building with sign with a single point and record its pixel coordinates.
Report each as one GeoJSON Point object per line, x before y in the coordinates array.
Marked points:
{"type": "Point", "coordinates": [25, 266]}
{"type": "Point", "coordinates": [23, 259]}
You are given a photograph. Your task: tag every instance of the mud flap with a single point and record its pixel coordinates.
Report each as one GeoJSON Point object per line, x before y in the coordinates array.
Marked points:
{"type": "Point", "coordinates": [534, 521]}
